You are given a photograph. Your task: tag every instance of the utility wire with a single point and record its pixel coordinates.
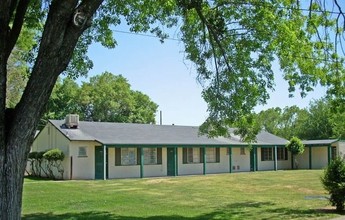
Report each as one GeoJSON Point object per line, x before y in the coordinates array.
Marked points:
{"type": "Point", "coordinates": [175, 39]}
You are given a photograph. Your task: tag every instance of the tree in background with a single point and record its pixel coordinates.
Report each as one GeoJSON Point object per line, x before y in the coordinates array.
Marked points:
{"type": "Point", "coordinates": [64, 99]}
{"type": "Point", "coordinates": [232, 44]}
{"type": "Point", "coordinates": [295, 146]}
{"type": "Point", "coordinates": [106, 97]}
{"type": "Point", "coordinates": [317, 121]}
{"type": "Point", "coordinates": [286, 123]}
{"type": "Point", "coordinates": [18, 69]}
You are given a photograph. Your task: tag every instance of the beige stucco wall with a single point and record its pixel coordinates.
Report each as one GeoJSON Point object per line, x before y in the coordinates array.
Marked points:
{"type": "Point", "coordinates": [188, 169]}
{"type": "Point", "coordinates": [82, 167]}
{"type": "Point", "coordinates": [285, 164]}
{"type": "Point", "coordinates": [222, 166]}
{"type": "Point", "coordinates": [50, 138]}
{"type": "Point", "coordinates": [341, 148]}
{"type": "Point", "coordinates": [240, 163]}
{"type": "Point", "coordinates": [269, 165]}
{"type": "Point", "coordinates": [303, 159]}
{"type": "Point", "coordinates": [319, 158]}
{"type": "Point", "coordinates": [133, 171]}
{"type": "Point", "coordinates": [157, 169]}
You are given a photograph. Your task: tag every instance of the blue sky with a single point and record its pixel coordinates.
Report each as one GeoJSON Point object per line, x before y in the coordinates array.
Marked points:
{"type": "Point", "coordinates": [161, 72]}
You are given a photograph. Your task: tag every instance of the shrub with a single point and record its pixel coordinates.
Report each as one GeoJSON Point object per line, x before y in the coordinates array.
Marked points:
{"type": "Point", "coordinates": [333, 181]}
{"type": "Point", "coordinates": [54, 155]}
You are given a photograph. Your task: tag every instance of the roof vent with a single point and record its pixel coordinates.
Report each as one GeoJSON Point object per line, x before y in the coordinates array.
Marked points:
{"type": "Point", "coordinates": [72, 121]}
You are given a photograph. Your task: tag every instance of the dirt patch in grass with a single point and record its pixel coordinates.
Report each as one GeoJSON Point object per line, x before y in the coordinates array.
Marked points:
{"type": "Point", "coordinates": [158, 181]}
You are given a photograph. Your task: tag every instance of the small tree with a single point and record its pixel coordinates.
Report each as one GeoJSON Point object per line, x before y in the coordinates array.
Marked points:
{"type": "Point", "coordinates": [333, 181]}
{"type": "Point", "coordinates": [295, 146]}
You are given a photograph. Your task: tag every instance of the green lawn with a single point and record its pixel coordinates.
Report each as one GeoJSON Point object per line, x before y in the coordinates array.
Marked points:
{"type": "Point", "coordinates": [254, 195]}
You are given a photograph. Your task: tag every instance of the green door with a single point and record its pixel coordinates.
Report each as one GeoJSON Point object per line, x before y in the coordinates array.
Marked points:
{"type": "Point", "coordinates": [99, 166]}
{"type": "Point", "coordinates": [171, 161]}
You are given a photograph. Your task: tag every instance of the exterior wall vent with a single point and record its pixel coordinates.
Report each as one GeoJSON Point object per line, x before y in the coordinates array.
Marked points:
{"type": "Point", "coordinates": [72, 121]}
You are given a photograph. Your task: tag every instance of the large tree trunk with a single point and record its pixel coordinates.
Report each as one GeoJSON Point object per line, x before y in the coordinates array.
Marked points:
{"type": "Point", "coordinates": [17, 126]}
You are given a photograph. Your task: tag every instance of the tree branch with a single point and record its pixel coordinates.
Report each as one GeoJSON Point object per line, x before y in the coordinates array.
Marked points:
{"type": "Point", "coordinates": [17, 25]}
{"type": "Point", "coordinates": [215, 37]}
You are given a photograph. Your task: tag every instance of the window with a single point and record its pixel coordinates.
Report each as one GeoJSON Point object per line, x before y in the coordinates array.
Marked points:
{"type": "Point", "coordinates": [192, 155]}
{"type": "Point", "coordinates": [150, 155]}
{"type": "Point", "coordinates": [282, 153]}
{"type": "Point", "coordinates": [212, 155]}
{"type": "Point", "coordinates": [131, 156]}
{"type": "Point", "coordinates": [266, 154]}
{"type": "Point", "coordinates": [196, 155]}
{"type": "Point", "coordinates": [128, 156]}
{"type": "Point", "coordinates": [243, 151]}
{"type": "Point", "coordinates": [227, 151]}
{"type": "Point", "coordinates": [82, 152]}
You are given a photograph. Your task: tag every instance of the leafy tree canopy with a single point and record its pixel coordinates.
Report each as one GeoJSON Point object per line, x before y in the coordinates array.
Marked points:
{"type": "Point", "coordinates": [317, 121]}
{"type": "Point", "coordinates": [106, 97]}
{"type": "Point", "coordinates": [232, 44]}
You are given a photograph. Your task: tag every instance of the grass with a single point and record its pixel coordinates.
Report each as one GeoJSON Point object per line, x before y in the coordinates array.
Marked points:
{"type": "Point", "coordinates": [254, 195]}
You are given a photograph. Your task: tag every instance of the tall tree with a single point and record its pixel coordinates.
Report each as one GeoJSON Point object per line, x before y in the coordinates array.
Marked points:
{"type": "Point", "coordinates": [108, 97]}
{"type": "Point", "coordinates": [63, 100]}
{"type": "Point", "coordinates": [232, 44]}
{"type": "Point", "coordinates": [322, 122]}
{"type": "Point", "coordinates": [270, 120]}
{"type": "Point", "coordinates": [286, 123]}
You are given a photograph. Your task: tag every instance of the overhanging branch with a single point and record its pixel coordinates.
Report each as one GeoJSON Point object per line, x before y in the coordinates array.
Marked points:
{"type": "Point", "coordinates": [17, 25]}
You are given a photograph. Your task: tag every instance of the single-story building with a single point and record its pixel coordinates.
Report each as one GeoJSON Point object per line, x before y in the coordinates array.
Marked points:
{"type": "Point", "coordinates": [102, 150]}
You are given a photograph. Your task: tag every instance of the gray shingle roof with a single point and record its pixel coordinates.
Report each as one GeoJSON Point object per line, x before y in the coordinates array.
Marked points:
{"type": "Point", "coordinates": [319, 142]}
{"type": "Point", "coordinates": [147, 134]}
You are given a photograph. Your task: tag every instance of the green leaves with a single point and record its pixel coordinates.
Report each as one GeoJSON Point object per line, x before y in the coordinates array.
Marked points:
{"type": "Point", "coordinates": [333, 181]}
{"type": "Point", "coordinates": [106, 97]}
{"type": "Point", "coordinates": [54, 155]}
{"type": "Point", "coordinates": [232, 44]}
{"type": "Point", "coordinates": [295, 146]}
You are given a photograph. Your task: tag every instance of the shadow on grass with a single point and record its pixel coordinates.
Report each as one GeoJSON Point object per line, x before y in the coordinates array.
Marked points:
{"type": "Point", "coordinates": [248, 210]}
{"type": "Point", "coordinates": [35, 178]}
